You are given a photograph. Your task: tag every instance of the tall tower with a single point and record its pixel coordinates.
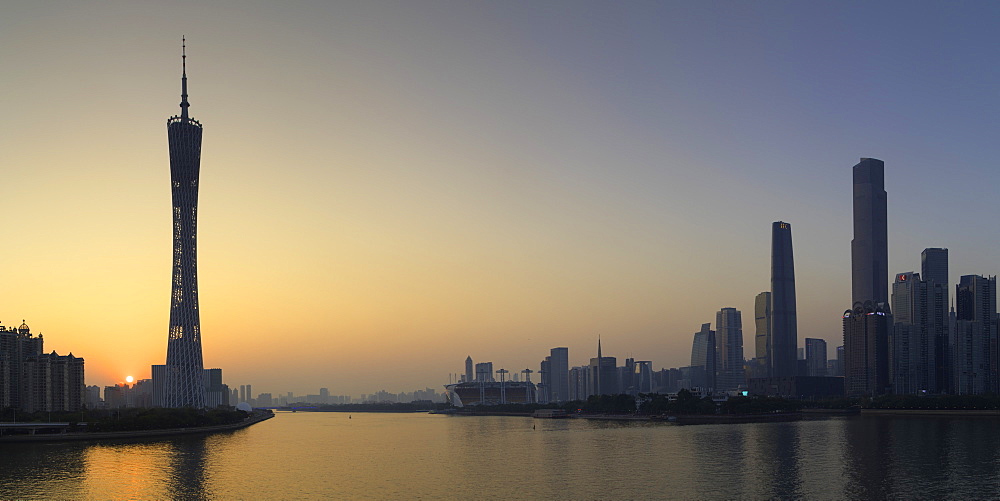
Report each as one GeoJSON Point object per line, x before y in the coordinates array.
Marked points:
{"type": "Point", "coordinates": [934, 270]}
{"type": "Point", "coordinates": [870, 247]}
{"type": "Point", "coordinates": [559, 374]}
{"type": "Point", "coordinates": [784, 323]}
{"type": "Point", "coordinates": [185, 386]}
{"type": "Point", "coordinates": [729, 335]}
{"type": "Point", "coordinates": [704, 355]}
{"type": "Point", "coordinates": [868, 323]}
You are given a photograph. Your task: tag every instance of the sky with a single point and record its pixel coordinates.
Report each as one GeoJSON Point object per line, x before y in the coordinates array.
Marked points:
{"type": "Point", "coordinates": [389, 187]}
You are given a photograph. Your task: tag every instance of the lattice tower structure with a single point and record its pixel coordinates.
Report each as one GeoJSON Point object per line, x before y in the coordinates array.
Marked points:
{"type": "Point", "coordinates": [184, 368]}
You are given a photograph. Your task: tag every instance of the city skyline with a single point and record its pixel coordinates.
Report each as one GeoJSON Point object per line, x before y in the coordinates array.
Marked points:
{"type": "Point", "coordinates": [412, 184]}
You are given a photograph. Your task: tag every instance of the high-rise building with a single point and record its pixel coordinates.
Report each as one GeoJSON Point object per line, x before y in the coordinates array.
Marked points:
{"type": "Point", "coordinates": [784, 322]}
{"type": "Point", "coordinates": [642, 377]}
{"type": "Point", "coordinates": [468, 369]}
{"type": "Point", "coordinates": [604, 373]}
{"type": "Point", "coordinates": [185, 386]}
{"type": "Point", "coordinates": [729, 336]}
{"type": "Point", "coordinates": [934, 267]}
{"type": "Point", "coordinates": [762, 336]}
{"type": "Point", "coordinates": [16, 345]}
{"type": "Point", "coordinates": [484, 372]}
{"type": "Point", "coordinates": [868, 323]}
{"type": "Point", "coordinates": [579, 383]}
{"type": "Point", "coordinates": [703, 355]}
{"type": "Point", "coordinates": [544, 385]}
{"type": "Point", "coordinates": [559, 375]}
{"type": "Point", "coordinates": [870, 247]}
{"type": "Point", "coordinates": [975, 350]}
{"type": "Point", "coordinates": [31, 380]}
{"type": "Point", "coordinates": [815, 356]}
{"type": "Point", "coordinates": [919, 323]}
{"type": "Point", "coordinates": [934, 271]}
{"type": "Point", "coordinates": [866, 349]}
{"type": "Point", "coordinates": [216, 393]}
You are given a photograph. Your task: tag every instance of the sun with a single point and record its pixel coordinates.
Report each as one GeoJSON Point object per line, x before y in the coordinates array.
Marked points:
{"type": "Point", "coordinates": [129, 379]}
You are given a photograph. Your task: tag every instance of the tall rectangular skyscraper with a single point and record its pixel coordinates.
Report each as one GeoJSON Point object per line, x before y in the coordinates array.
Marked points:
{"type": "Point", "coordinates": [976, 357]}
{"type": "Point", "coordinates": [815, 356]}
{"type": "Point", "coordinates": [703, 354]}
{"type": "Point", "coordinates": [934, 271]}
{"type": "Point", "coordinates": [868, 323]}
{"type": "Point", "coordinates": [866, 349]}
{"type": "Point", "coordinates": [559, 374]}
{"type": "Point", "coordinates": [729, 335]}
{"type": "Point", "coordinates": [870, 247]}
{"type": "Point", "coordinates": [784, 323]}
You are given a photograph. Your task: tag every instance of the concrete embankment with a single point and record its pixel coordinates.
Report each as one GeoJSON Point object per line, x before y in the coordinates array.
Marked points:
{"type": "Point", "coordinates": [254, 418]}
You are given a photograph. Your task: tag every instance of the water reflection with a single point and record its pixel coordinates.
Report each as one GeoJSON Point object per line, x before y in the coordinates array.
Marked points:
{"type": "Point", "coordinates": [35, 470]}
{"type": "Point", "coordinates": [320, 455]}
{"type": "Point", "coordinates": [187, 468]}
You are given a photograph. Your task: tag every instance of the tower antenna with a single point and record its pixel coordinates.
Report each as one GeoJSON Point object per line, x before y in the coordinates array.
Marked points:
{"type": "Point", "coordinates": [184, 79]}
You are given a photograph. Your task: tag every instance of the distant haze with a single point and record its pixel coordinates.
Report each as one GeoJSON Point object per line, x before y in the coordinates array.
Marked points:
{"type": "Point", "coordinates": [389, 187]}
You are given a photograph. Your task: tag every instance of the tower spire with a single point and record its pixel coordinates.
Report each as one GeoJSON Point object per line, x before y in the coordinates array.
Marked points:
{"type": "Point", "coordinates": [184, 79]}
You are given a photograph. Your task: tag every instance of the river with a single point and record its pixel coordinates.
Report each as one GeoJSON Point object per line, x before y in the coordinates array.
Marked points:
{"type": "Point", "coordinates": [420, 456]}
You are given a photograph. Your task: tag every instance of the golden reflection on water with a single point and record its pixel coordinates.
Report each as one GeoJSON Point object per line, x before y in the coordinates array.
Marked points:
{"type": "Point", "coordinates": [419, 456]}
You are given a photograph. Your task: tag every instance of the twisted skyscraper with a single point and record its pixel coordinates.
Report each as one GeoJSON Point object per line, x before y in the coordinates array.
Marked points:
{"type": "Point", "coordinates": [184, 368]}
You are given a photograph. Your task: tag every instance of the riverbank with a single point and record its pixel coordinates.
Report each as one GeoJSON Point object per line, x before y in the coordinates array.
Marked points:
{"type": "Point", "coordinates": [256, 417]}
{"type": "Point", "coordinates": [932, 412]}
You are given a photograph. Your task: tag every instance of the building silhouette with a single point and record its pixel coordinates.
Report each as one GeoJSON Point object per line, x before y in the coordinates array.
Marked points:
{"type": "Point", "coordinates": [934, 271]}
{"type": "Point", "coordinates": [784, 323]}
{"type": "Point", "coordinates": [604, 373]}
{"type": "Point", "coordinates": [815, 357]}
{"type": "Point", "coordinates": [919, 330]}
{"type": "Point", "coordinates": [762, 335]}
{"type": "Point", "coordinates": [870, 247]}
{"type": "Point", "coordinates": [32, 380]}
{"type": "Point", "coordinates": [559, 375]}
{"type": "Point", "coordinates": [729, 336]}
{"type": "Point", "coordinates": [867, 324]}
{"type": "Point", "coordinates": [184, 369]}
{"type": "Point", "coordinates": [975, 370]}
{"type": "Point", "coordinates": [468, 369]}
{"type": "Point", "coordinates": [866, 349]}
{"type": "Point", "coordinates": [703, 359]}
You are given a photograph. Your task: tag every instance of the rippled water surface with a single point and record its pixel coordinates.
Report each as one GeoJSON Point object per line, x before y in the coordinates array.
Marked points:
{"type": "Point", "coordinates": [421, 456]}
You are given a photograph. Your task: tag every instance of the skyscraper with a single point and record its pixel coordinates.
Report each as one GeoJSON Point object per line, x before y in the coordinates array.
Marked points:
{"type": "Point", "coordinates": [185, 387]}
{"type": "Point", "coordinates": [729, 335]}
{"type": "Point", "coordinates": [559, 375]}
{"type": "Point", "coordinates": [604, 373]}
{"type": "Point", "coordinates": [870, 247]}
{"type": "Point", "coordinates": [866, 349]}
{"type": "Point", "coordinates": [762, 337]}
{"type": "Point", "coordinates": [815, 356]}
{"type": "Point", "coordinates": [468, 369]}
{"type": "Point", "coordinates": [703, 356]}
{"type": "Point", "coordinates": [784, 323]}
{"type": "Point", "coordinates": [934, 271]}
{"type": "Point", "coordinates": [868, 323]}
{"type": "Point", "coordinates": [976, 335]}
